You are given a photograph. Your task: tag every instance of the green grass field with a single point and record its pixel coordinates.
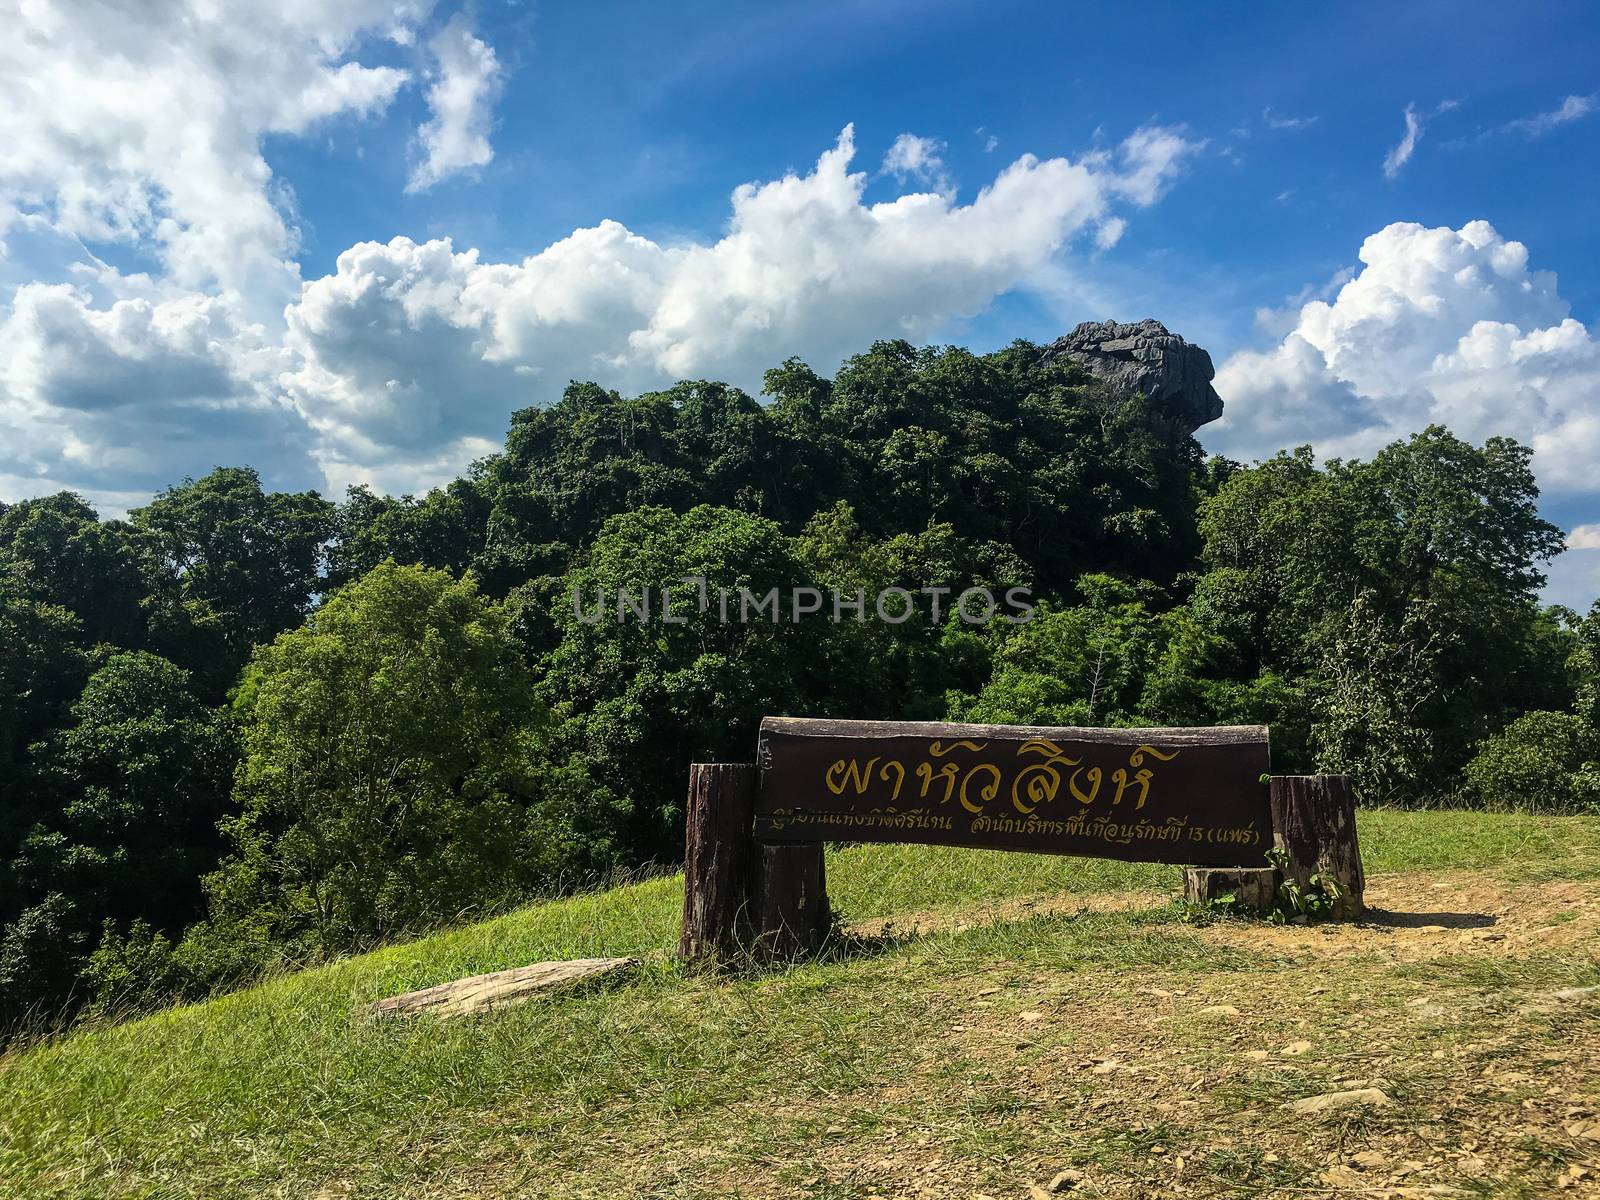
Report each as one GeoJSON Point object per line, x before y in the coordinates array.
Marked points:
{"type": "Point", "coordinates": [966, 1059]}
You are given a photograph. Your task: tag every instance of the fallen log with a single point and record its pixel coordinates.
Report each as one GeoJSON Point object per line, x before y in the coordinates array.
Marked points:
{"type": "Point", "coordinates": [498, 989]}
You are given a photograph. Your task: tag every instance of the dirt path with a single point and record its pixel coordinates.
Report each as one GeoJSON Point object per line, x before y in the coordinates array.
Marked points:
{"type": "Point", "coordinates": [1450, 1013]}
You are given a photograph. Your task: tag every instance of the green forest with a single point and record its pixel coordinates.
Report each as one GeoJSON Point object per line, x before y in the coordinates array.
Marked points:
{"type": "Point", "coordinates": [242, 729]}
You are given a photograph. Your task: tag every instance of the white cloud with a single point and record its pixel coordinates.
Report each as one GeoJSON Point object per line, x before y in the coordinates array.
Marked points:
{"type": "Point", "coordinates": [917, 158]}
{"type": "Point", "coordinates": [144, 129]}
{"type": "Point", "coordinates": [141, 127]}
{"type": "Point", "coordinates": [142, 124]}
{"type": "Point", "coordinates": [1439, 325]}
{"type": "Point", "coordinates": [1150, 159]}
{"type": "Point", "coordinates": [136, 394]}
{"type": "Point", "coordinates": [1573, 108]}
{"type": "Point", "coordinates": [408, 347]}
{"type": "Point", "coordinates": [1279, 121]}
{"type": "Point", "coordinates": [467, 79]}
{"type": "Point", "coordinates": [1584, 537]}
{"type": "Point", "coordinates": [1416, 122]}
{"type": "Point", "coordinates": [1401, 154]}
{"type": "Point", "coordinates": [1110, 232]}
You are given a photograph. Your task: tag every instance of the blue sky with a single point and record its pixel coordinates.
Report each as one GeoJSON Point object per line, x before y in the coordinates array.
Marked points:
{"type": "Point", "coordinates": [199, 218]}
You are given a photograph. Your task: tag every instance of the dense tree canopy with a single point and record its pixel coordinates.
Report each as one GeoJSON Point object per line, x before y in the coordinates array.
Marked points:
{"type": "Point", "coordinates": [355, 720]}
{"type": "Point", "coordinates": [389, 752]}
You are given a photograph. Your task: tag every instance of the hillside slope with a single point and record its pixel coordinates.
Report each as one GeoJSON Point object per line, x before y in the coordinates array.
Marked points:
{"type": "Point", "coordinates": [997, 1020]}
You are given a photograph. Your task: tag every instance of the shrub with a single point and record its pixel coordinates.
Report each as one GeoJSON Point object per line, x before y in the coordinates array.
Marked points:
{"type": "Point", "coordinates": [1543, 760]}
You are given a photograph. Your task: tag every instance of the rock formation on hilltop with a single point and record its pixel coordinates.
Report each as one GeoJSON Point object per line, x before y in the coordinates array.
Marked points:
{"type": "Point", "coordinates": [1145, 358]}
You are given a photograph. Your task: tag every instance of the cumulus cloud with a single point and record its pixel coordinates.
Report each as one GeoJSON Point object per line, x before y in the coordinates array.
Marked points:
{"type": "Point", "coordinates": [144, 129]}
{"type": "Point", "coordinates": [1439, 325]}
{"type": "Point", "coordinates": [142, 124]}
{"type": "Point", "coordinates": [1584, 537]}
{"type": "Point", "coordinates": [136, 394]}
{"type": "Point", "coordinates": [141, 127]}
{"type": "Point", "coordinates": [467, 79]}
{"type": "Point", "coordinates": [410, 346]}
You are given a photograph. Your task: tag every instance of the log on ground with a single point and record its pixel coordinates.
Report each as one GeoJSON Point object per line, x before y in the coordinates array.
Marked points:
{"type": "Point", "coordinates": [498, 989]}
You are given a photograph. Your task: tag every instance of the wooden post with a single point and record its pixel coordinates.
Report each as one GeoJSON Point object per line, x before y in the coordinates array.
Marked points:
{"type": "Point", "coordinates": [717, 860]}
{"type": "Point", "coordinates": [1254, 889]}
{"type": "Point", "coordinates": [791, 899]}
{"type": "Point", "coordinates": [1314, 824]}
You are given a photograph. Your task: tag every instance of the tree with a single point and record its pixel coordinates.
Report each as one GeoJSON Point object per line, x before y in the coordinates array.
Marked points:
{"type": "Point", "coordinates": [252, 557]}
{"type": "Point", "coordinates": [140, 777]}
{"type": "Point", "coordinates": [445, 529]}
{"type": "Point", "coordinates": [41, 670]}
{"type": "Point", "coordinates": [873, 668]}
{"type": "Point", "coordinates": [63, 555]}
{"type": "Point", "coordinates": [1111, 660]}
{"type": "Point", "coordinates": [1583, 665]}
{"type": "Point", "coordinates": [1543, 761]}
{"type": "Point", "coordinates": [132, 789]}
{"type": "Point", "coordinates": [1405, 584]}
{"type": "Point", "coordinates": [647, 697]}
{"type": "Point", "coordinates": [389, 777]}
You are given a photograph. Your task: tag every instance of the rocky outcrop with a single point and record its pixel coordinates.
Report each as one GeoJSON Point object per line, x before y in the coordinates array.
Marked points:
{"type": "Point", "coordinates": [1145, 358]}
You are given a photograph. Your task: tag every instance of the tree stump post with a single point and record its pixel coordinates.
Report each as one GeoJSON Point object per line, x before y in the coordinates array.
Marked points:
{"type": "Point", "coordinates": [1254, 889]}
{"type": "Point", "coordinates": [718, 860]}
{"type": "Point", "coordinates": [1314, 824]}
{"type": "Point", "coordinates": [791, 899]}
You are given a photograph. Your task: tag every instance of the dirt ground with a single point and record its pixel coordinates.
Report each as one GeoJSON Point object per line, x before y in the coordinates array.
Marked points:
{"type": "Point", "coordinates": [1458, 1062]}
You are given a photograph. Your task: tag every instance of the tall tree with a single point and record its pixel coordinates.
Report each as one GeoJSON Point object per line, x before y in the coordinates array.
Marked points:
{"type": "Point", "coordinates": [388, 780]}
{"type": "Point", "coordinates": [135, 785]}
{"type": "Point", "coordinates": [252, 557]}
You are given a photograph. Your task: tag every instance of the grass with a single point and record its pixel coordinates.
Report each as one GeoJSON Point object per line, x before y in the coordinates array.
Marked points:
{"type": "Point", "coordinates": [956, 1059]}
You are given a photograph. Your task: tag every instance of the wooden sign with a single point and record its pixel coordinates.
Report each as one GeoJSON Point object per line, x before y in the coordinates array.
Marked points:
{"type": "Point", "coordinates": [1150, 795]}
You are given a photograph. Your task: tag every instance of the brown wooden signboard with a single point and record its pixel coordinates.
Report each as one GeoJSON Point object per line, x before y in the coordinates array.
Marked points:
{"type": "Point", "coordinates": [1150, 795]}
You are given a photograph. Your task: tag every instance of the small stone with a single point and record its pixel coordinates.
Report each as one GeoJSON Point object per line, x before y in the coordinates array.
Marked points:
{"type": "Point", "coordinates": [1576, 993]}
{"type": "Point", "coordinates": [1104, 1067]}
{"type": "Point", "coordinates": [1035, 1192]}
{"type": "Point", "coordinates": [1296, 1048]}
{"type": "Point", "coordinates": [1065, 1181]}
{"type": "Point", "coordinates": [1219, 1010]}
{"type": "Point", "coordinates": [1338, 1101]}
{"type": "Point", "coordinates": [1257, 1055]}
{"type": "Point", "coordinates": [1031, 1017]}
{"type": "Point", "coordinates": [1369, 1160]}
